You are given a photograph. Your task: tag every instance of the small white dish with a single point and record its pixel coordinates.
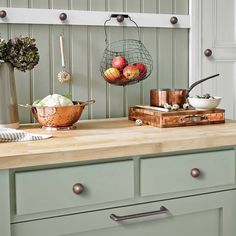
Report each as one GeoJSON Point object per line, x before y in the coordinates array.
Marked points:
{"type": "Point", "coordinates": [204, 103]}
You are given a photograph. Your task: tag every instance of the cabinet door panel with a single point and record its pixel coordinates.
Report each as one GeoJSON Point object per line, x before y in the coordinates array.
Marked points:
{"type": "Point", "coordinates": [205, 215]}
{"type": "Point", "coordinates": [218, 34]}
{"type": "Point", "coordinates": [203, 223]}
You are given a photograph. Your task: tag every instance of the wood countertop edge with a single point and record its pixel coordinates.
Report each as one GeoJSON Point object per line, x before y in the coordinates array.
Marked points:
{"type": "Point", "coordinates": [117, 152]}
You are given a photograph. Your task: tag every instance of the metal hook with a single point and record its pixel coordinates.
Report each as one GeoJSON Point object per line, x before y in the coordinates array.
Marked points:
{"type": "Point", "coordinates": [104, 25]}
{"type": "Point", "coordinates": [136, 26]}
{"type": "Point", "coordinates": [120, 18]}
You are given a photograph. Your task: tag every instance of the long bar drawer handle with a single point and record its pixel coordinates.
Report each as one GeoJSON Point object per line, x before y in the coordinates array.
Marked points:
{"type": "Point", "coordinates": [162, 210]}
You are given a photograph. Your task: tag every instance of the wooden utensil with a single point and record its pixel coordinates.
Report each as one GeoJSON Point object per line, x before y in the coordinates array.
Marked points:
{"type": "Point", "coordinates": [63, 76]}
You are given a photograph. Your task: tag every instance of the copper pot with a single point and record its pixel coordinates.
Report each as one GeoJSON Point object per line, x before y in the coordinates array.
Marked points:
{"type": "Point", "coordinates": [173, 96]}
{"type": "Point", "coordinates": [58, 117]}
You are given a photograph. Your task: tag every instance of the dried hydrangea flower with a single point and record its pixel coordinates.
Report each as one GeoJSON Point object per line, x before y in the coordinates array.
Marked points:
{"type": "Point", "coordinates": [3, 50]}
{"type": "Point", "coordinates": [22, 53]}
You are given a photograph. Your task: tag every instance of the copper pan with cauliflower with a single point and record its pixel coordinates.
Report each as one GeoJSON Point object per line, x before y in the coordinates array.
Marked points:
{"type": "Point", "coordinates": [57, 112]}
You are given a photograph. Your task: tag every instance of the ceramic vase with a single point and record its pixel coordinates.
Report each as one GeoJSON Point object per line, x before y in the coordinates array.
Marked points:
{"type": "Point", "coordinates": [9, 117]}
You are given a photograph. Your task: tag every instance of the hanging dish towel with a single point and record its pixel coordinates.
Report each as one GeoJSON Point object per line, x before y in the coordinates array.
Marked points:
{"type": "Point", "coordinates": [13, 135]}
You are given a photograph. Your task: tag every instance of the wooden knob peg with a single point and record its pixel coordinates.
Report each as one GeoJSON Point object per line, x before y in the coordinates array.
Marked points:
{"type": "Point", "coordinates": [120, 18]}
{"type": "Point", "coordinates": [208, 52]}
{"type": "Point", "coordinates": [63, 16]}
{"type": "Point", "coordinates": [195, 172]}
{"type": "Point", "coordinates": [78, 188]}
{"type": "Point", "coordinates": [173, 20]}
{"type": "Point", "coordinates": [3, 14]}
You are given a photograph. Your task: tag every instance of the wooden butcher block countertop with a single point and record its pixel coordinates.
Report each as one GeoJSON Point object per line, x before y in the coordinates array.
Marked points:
{"type": "Point", "coordinates": [111, 138]}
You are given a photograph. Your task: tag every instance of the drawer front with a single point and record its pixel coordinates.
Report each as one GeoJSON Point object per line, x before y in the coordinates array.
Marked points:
{"type": "Point", "coordinates": [45, 190]}
{"type": "Point", "coordinates": [173, 173]}
{"type": "Point", "coordinates": [199, 215]}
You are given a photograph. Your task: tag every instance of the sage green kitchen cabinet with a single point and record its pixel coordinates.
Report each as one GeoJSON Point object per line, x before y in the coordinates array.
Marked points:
{"type": "Point", "coordinates": [183, 193]}
{"type": "Point", "coordinates": [205, 215]}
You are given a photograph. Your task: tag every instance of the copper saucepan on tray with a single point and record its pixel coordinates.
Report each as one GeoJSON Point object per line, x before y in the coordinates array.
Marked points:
{"type": "Point", "coordinates": [173, 96]}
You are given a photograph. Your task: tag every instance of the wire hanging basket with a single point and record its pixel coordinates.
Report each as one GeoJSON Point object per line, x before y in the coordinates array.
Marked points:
{"type": "Point", "coordinates": [126, 61]}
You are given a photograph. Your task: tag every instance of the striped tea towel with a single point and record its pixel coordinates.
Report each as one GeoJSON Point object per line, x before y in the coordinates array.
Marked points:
{"type": "Point", "coordinates": [13, 135]}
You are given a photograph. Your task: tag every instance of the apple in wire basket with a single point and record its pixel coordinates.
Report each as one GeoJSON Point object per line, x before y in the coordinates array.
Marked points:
{"type": "Point", "coordinates": [112, 74]}
{"type": "Point", "coordinates": [119, 62]}
{"type": "Point", "coordinates": [131, 72]}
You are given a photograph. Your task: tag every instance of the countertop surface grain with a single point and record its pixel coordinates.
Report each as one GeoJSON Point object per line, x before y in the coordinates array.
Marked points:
{"type": "Point", "coordinates": [111, 138]}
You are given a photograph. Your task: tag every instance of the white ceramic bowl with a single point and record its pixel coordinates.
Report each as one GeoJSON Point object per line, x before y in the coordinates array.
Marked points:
{"type": "Point", "coordinates": [204, 103]}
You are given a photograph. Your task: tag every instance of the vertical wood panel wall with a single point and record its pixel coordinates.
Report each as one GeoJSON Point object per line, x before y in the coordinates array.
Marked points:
{"type": "Point", "coordinates": [84, 46]}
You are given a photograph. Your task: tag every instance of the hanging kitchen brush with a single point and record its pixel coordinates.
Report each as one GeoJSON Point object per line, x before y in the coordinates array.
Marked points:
{"type": "Point", "coordinates": [126, 61]}
{"type": "Point", "coordinates": [63, 76]}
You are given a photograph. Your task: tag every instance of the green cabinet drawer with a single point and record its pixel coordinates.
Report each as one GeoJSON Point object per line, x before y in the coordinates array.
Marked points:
{"type": "Point", "coordinates": [173, 174]}
{"type": "Point", "coordinates": [52, 189]}
{"type": "Point", "coordinates": [205, 215]}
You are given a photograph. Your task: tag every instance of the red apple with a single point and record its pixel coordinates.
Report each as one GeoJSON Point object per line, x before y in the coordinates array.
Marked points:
{"type": "Point", "coordinates": [112, 74]}
{"type": "Point", "coordinates": [142, 69]}
{"type": "Point", "coordinates": [131, 72]}
{"type": "Point", "coordinates": [119, 62]}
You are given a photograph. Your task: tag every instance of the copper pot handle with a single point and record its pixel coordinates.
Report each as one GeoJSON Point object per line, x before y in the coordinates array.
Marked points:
{"type": "Point", "coordinates": [198, 82]}
{"type": "Point", "coordinates": [25, 106]}
{"type": "Point", "coordinates": [116, 218]}
{"type": "Point", "coordinates": [194, 118]}
{"type": "Point", "coordinates": [87, 102]}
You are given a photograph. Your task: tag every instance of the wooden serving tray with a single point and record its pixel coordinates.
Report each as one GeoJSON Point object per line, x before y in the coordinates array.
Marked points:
{"type": "Point", "coordinates": [163, 119]}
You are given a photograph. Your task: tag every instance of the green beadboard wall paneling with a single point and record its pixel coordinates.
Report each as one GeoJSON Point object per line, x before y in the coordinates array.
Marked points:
{"type": "Point", "coordinates": [134, 91]}
{"type": "Point", "coordinates": [40, 79]}
{"type": "Point", "coordinates": [150, 40]}
{"type": "Point", "coordinates": [60, 4]}
{"type": "Point", "coordinates": [21, 3]}
{"type": "Point", "coordinates": [180, 40]}
{"type": "Point", "coordinates": [98, 88]}
{"type": "Point", "coordinates": [40, 4]}
{"type": "Point", "coordinates": [23, 79]}
{"type": "Point", "coordinates": [164, 58]}
{"type": "Point", "coordinates": [80, 59]}
{"type": "Point", "coordinates": [84, 46]}
{"type": "Point", "coordinates": [4, 3]}
{"type": "Point", "coordinates": [79, 5]}
{"type": "Point", "coordinates": [116, 94]}
{"type": "Point", "coordinates": [181, 7]}
{"type": "Point", "coordinates": [79, 66]}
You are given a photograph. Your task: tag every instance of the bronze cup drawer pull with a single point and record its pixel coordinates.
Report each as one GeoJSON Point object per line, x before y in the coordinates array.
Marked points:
{"type": "Point", "coordinates": [78, 188]}
{"type": "Point", "coordinates": [162, 210]}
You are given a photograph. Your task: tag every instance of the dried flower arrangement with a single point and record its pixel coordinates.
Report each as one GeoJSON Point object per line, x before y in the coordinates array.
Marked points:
{"type": "Point", "coordinates": [21, 52]}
